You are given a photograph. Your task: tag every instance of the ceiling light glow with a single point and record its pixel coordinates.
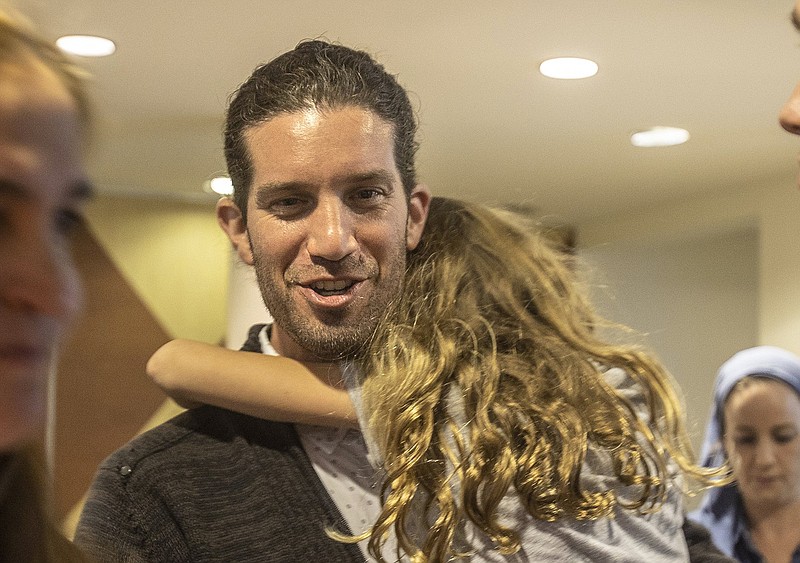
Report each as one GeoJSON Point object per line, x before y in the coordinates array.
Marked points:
{"type": "Point", "coordinates": [568, 68]}
{"type": "Point", "coordinates": [660, 137]}
{"type": "Point", "coordinates": [221, 185]}
{"type": "Point", "coordinates": [86, 45]}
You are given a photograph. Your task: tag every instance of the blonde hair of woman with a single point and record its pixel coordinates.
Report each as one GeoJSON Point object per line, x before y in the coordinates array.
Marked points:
{"type": "Point", "coordinates": [44, 119]}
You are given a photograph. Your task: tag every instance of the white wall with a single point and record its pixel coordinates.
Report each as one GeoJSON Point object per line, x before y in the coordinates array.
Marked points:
{"type": "Point", "coordinates": [245, 306]}
{"type": "Point", "coordinates": [173, 255]}
{"type": "Point", "coordinates": [779, 319]}
{"type": "Point", "coordinates": [694, 300]}
{"type": "Point", "coordinates": [705, 278]}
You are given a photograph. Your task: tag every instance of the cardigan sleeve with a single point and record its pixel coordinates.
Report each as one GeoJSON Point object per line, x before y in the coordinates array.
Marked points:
{"type": "Point", "coordinates": [136, 507]}
{"type": "Point", "coordinates": [112, 526]}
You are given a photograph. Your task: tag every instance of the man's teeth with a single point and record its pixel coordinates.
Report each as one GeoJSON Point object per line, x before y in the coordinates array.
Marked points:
{"type": "Point", "coordinates": [330, 285]}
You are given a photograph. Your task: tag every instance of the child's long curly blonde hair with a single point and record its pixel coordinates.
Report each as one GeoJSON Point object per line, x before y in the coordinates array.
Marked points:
{"type": "Point", "coordinates": [493, 315]}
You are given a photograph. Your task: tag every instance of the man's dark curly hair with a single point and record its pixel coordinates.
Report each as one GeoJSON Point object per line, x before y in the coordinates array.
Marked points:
{"type": "Point", "coordinates": [317, 74]}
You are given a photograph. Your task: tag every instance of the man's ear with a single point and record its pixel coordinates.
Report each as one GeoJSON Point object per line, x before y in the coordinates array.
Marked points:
{"type": "Point", "coordinates": [230, 218]}
{"type": "Point", "coordinates": [418, 205]}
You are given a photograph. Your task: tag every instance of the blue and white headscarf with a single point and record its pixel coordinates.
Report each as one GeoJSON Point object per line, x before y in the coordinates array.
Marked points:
{"type": "Point", "coordinates": [721, 510]}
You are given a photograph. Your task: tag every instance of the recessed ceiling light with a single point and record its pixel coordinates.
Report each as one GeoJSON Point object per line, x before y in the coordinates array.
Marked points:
{"type": "Point", "coordinates": [568, 68]}
{"type": "Point", "coordinates": [221, 185]}
{"type": "Point", "coordinates": [660, 137]}
{"type": "Point", "coordinates": [86, 45]}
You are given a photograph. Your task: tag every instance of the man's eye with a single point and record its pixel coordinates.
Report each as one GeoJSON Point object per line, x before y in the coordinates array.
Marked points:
{"type": "Point", "coordinates": [366, 194]}
{"type": "Point", "coordinates": [785, 438]}
{"type": "Point", "coordinates": [286, 204]}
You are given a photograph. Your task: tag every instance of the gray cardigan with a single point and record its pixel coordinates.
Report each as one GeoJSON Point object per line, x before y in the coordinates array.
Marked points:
{"type": "Point", "coordinates": [212, 485]}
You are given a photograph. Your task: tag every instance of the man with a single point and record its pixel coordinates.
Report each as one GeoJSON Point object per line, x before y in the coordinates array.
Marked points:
{"type": "Point", "coordinates": [320, 147]}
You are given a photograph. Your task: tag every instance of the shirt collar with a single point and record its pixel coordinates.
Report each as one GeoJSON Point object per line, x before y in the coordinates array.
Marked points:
{"type": "Point", "coordinates": [266, 345]}
{"type": "Point", "coordinates": [325, 437]}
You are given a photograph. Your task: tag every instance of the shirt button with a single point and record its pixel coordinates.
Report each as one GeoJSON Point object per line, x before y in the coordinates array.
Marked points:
{"type": "Point", "coordinates": [125, 470]}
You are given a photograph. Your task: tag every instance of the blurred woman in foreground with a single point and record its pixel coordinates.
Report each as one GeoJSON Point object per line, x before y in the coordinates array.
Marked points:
{"type": "Point", "coordinates": [43, 122]}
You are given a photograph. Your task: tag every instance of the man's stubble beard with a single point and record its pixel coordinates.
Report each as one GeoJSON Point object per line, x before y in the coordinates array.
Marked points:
{"type": "Point", "coordinates": [334, 336]}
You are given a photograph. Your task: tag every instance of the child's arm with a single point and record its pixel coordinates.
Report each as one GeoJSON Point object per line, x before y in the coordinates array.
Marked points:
{"type": "Point", "coordinates": [271, 387]}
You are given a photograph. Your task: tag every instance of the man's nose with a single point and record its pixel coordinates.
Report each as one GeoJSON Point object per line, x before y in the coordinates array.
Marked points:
{"type": "Point", "coordinates": [331, 233]}
{"type": "Point", "coordinates": [38, 276]}
{"type": "Point", "coordinates": [790, 113]}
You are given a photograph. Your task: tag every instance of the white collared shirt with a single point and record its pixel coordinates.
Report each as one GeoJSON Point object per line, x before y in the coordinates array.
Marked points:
{"type": "Point", "coordinates": [342, 463]}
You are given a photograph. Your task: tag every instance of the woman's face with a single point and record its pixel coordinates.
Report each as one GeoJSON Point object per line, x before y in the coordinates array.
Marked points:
{"type": "Point", "coordinates": [42, 188]}
{"type": "Point", "coordinates": [762, 439]}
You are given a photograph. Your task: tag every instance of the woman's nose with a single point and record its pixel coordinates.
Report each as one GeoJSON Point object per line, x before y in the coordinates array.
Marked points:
{"type": "Point", "coordinates": [38, 276]}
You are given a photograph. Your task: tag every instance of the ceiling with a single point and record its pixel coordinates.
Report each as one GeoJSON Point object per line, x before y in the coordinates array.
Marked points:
{"type": "Point", "coordinates": [492, 128]}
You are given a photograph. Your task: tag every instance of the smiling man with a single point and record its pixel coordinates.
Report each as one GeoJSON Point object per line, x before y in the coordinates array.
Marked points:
{"type": "Point", "coordinates": [320, 148]}
{"type": "Point", "coordinates": [328, 226]}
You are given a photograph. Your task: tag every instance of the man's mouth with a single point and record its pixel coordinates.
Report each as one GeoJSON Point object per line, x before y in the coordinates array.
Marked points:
{"type": "Point", "coordinates": [334, 287]}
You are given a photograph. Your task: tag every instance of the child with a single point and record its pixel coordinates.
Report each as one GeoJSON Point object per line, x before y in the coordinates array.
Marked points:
{"type": "Point", "coordinates": [487, 392]}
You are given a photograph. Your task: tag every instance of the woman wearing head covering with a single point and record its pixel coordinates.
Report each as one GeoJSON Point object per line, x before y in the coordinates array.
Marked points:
{"type": "Point", "coordinates": [755, 426]}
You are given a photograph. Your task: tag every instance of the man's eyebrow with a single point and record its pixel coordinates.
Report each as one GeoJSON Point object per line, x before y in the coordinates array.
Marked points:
{"type": "Point", "coordinates": [379, 176]}
{"type": "Point", "coordinates": [795, 18]}
{"type": "Point", "coordinates": [264, 192]}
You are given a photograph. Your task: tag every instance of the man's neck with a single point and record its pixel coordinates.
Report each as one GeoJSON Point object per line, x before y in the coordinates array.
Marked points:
{"type": "Point", "coordinates": [287, 347]}
{"type": "Point", "coordinates": [327, 370]}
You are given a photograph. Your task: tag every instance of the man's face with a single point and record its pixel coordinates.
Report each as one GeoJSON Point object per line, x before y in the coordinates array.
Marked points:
{"type": "Point", "coordinates": [42, 188]}
{"type": "Point", "coordinates": [328, 227]}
